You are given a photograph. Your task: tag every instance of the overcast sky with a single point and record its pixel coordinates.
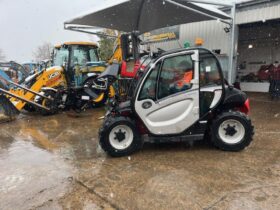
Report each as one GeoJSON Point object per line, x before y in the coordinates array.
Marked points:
{"type": "Point", "coordinates": [26, 24]}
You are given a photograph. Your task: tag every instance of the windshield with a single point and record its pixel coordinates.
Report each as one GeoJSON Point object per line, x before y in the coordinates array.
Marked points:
{"type": "Point", "coordinates": [145, 65]}
{"type": "Point", "coordinates": [79, 55]}
{"type": "Point", "coordinates": [60, 56]}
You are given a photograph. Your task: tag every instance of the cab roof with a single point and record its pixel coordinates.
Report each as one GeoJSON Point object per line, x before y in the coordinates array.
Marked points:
{"type": "Point", "coordinates": [77, 43]}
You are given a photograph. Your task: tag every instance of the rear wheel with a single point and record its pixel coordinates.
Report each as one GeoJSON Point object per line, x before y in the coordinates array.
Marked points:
{"type": "Point", "coordinates": [119, 137]}
{"type": "Point", "coordinates": [232, 131]}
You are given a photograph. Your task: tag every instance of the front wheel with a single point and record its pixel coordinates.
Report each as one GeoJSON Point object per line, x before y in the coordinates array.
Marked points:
{"type": "Point", "coordinates": [52, 105]}
{"type": "Point", "coordinates": [29, 108]}
{"type": "Point", "coordinates": [119, 137]}
{"type": "Point", "coordinates": [232, 131]}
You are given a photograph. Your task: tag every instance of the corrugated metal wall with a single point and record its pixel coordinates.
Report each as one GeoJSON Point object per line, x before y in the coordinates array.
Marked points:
{"type": "Point", "coordinates": [266, 11]}
{"type": "Point", "coordinates": [213, 32]}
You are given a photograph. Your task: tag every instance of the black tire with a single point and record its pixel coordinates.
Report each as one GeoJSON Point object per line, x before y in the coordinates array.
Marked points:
{"type": "Point", "coordinates": [52, 105]}
{"type": "Point", "coordinates": [29, 108]}
{"type": "Point", "coordinates": [218, 141]}
{"type": "Point", "coordinates": [109, 124]}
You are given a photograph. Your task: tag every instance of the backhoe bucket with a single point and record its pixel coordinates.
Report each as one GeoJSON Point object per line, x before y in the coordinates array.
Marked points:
{"type": "Point", "coordinates": [8, 111]}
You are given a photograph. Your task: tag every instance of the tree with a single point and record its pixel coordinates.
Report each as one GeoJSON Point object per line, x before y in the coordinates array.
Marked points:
{"type": "Point", "coordinates": [43, 52]}
{"type": "Point", "coordinates": [106, 45]}
{"type": "Point", "coordinates": [2, 56]}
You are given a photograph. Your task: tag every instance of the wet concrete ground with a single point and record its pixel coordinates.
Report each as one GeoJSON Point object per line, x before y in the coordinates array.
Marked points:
{"type": "Point", "coordinates": [55, 163]}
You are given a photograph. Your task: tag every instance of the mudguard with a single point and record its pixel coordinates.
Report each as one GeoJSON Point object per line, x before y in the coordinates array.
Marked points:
{"type": "Point", "coordinates": [234, 98]}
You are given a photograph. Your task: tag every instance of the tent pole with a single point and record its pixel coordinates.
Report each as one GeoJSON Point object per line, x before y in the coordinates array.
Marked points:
{"type": "Point", "coordinates": [232, 48]}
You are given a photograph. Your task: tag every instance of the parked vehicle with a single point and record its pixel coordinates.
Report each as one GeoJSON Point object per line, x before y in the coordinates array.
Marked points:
{"type": "Point", "coordinates": [32, 67]}
{"type": "Point", "coordinates": [72, 82]}
{"type": "Point", "coordinates": [13, 71]}
{"type": "Point", "coordinates": [264, 72]}
{"type": "Point", "coordinates": [181, 96]}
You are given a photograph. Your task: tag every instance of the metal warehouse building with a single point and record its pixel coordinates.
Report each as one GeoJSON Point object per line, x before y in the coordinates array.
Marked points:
{"type": "Point", "coordinates": [257, 48]}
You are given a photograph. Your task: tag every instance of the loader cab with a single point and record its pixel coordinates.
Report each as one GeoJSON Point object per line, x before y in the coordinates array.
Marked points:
{"type": "Point", "coordinates": [179, 89]}
{"type": "Point", "coordinates": [76, 58]}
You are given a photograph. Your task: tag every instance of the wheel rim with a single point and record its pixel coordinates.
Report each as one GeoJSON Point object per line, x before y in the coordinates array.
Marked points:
{"type": "Point", "coordinates": [231, 131]}
{"type": "Point", "coordinates": [121, 137]}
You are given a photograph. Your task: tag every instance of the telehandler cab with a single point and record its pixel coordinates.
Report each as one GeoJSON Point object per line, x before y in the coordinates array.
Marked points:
{"type": "Point", "coordinates": [181, 96]}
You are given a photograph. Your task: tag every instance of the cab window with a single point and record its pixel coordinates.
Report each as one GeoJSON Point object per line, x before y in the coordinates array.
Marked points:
{"type": "Point", "coordinates": [80, 56]}
{"type": "Point", "coordinates": [209, 70]}
{"type": "Point", "coordinates": [148, 90]}
{"type": "Point", "coordinates": [93, 55]}
{"type": "Point", "coordinates": [210, 76]}
{"type": "Point", "coordinates": [176, 75]}
{"type": "Point", "coordinates": [60, 56]}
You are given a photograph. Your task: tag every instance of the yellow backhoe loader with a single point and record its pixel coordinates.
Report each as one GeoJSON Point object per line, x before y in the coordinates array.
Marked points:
{"type": "Point", "coordinates": [72, 82]}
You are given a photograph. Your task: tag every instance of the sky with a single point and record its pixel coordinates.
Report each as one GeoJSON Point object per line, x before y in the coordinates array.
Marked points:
{"type": "Point", "coordinates": [26, 24]}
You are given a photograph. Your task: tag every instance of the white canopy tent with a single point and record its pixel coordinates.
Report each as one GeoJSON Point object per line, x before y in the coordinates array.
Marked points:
{"type": "Point", "coordinates": [142, 16]}
{"type": "Point", "coordinates": [147, 15]}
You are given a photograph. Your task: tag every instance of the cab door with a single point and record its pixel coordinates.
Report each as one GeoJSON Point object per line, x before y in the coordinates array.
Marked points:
{"type": "Point", "coordinates": [211, 82]}
{"type": "Point", "coordinates": [168, 100]}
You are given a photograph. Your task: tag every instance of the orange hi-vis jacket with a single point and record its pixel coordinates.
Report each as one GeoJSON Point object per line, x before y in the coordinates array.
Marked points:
{"type": "Point", "coordinates": [188, 76]}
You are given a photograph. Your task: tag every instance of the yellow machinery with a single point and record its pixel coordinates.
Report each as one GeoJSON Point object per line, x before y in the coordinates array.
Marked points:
{"type": "Point", "coordinates": [71, 81]}
{"type": "Point", "coordinates": [118, 52]}
{"type": "Point", "coordinates": [50, 78]}
{"type": "Point", "coordinates": [126, 49]}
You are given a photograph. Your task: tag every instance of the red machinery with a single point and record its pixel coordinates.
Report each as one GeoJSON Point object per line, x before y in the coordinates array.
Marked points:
{"type": "Point", "coordinates": [265, 72]}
